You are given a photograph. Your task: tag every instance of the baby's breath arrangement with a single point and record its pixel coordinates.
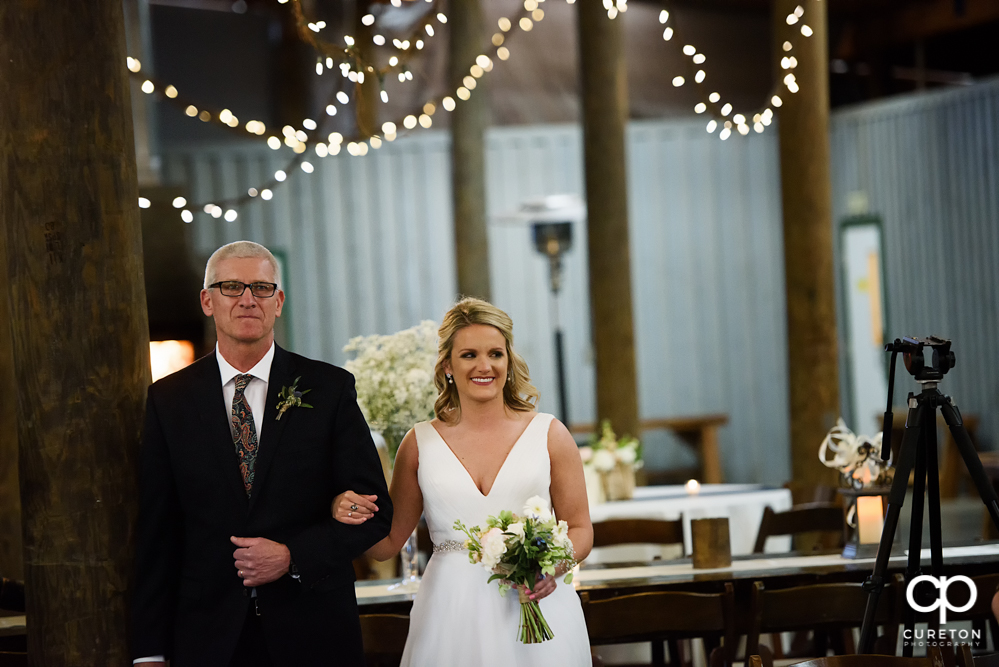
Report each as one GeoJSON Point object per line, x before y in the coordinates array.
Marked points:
{"type": "Point", "coordinates": [394, 376]}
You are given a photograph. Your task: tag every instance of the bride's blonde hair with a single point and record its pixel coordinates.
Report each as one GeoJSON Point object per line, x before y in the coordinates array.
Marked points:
{"type": "Point", "coordinates": [518, 392]}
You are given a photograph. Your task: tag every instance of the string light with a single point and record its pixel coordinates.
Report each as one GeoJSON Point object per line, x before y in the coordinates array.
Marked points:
{"type": "Point", "coordinates": [761, 119]}
{"type": "Point", "coordinates": [299, 140]}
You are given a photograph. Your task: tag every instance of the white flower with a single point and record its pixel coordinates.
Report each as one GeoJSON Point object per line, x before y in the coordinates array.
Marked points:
{"type": "Point", "coordinates": [586, 453]}
{"type": "Point", "coordinates": [604, 460]}
{"type": "Point", "coordinates": [626, 455]}
{"type": "Point", "coordinates": [493, 548]}
{"type": "Point", "coordinates": [561, 535]}
{"type": "Point", "coordinates": [537, 508]}
{"type": "Point", "coordinates": [517, 530]}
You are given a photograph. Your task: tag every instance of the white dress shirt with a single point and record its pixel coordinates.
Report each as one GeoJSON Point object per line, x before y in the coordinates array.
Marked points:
{"type": "Point", "coordinates": [256, 397]}
{"type": "Point", "coordinates": [255, 392]}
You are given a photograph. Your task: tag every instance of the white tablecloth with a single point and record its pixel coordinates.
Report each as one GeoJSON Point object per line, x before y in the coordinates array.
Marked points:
{"type": "Point", "coordinates": [742, 504]}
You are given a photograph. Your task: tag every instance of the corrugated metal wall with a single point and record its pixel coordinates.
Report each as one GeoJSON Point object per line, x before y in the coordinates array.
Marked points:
{"type": "Point", "coordinates": [368, 247]}
{"type": "Point", "coordinates": [929, 167]}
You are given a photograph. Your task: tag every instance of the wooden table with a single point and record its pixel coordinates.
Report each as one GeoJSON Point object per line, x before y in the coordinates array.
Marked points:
{"type": "Point", "coordinates": [775, 570]}
{"type": "Point", "coordinates": [698, 432]}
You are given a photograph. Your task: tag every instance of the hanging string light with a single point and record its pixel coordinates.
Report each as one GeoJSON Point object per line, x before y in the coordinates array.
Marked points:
{"type": "Point", "coordinates": [335, 143]}
{"type": "Point", "coordinates": [711, 102]}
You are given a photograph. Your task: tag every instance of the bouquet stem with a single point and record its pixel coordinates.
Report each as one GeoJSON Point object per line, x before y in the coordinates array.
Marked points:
{"type": "Point", "coordinates": [533, 626]}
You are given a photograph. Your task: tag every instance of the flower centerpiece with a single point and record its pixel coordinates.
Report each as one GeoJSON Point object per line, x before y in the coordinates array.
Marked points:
{"type": "Point", "coordinates": [394, 378]}
{"type": "Point", "coordinates": [609, 464]}
{"type": "Point", "coordinates": [856, 457]}
{"type": "Point", "coordinates": [515, 549]}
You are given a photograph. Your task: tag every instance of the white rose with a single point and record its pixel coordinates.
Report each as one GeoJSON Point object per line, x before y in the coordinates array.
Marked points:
{"type": "Point", "coordinates": [517, 530]}
{"type": "Point", "coordinates": [586, 453]}
{"type": "Point", "coordinates": [604, 460]}
{"type": "Point", "coordinates": [493, 548]}
{"type": "Point", "coordinates": [626, 455]}
{"type": "Point", "coordinates": [537, 508]}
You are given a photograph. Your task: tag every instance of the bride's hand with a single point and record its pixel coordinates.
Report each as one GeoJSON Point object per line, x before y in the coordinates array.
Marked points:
{"type": "Point", "coordinates": [353, 508]}
{"type": "Point", "coordinates": [543, 587]}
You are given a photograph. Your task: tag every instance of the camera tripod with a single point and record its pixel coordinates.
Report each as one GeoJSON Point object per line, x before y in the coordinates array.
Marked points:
{"type": "Point", "coordinates": [919, 451]}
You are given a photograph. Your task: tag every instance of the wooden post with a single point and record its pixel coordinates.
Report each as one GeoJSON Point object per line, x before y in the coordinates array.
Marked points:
{"type": "Point", "coordinates": [605, 113]}
{"type": "Point", "coordinates": [468, 151]}
{"type": "Point", "coordinates": [11, 558]}
{"type": "Point", "coordinates": [806, 188]}
{"type": "Point", "coordinates": [367, 93]}
{"type": "Point", "coordinates": [70, 223]}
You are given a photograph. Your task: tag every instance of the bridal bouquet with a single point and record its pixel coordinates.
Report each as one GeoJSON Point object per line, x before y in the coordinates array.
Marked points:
{"type": "Point", "coordinates": [514, 549]}
{"type": "Point", "coordinates": [395, 379]}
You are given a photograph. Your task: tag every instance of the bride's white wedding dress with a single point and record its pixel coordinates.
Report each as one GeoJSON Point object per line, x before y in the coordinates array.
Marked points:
{"type": "Point", "coordinates": [459, 620]}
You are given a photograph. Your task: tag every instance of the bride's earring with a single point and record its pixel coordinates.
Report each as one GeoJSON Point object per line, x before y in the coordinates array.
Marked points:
{"type": "Point", "coordinates": [449, 379]}
{"type": "Point", "coordinates": [509, 378]}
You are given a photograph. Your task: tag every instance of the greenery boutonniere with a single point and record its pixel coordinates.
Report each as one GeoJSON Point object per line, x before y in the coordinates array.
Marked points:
{"type": "Point", "coordinates": [291, 398]}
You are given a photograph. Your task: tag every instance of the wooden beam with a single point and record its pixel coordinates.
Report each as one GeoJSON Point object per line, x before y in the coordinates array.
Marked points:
{"type": "Point", "coordinates": [70, 223]}
{"type": "Point", "coordinates": [927, 19]}
{"type": "Point", "coordinates": [604, 87]}
{"type": "Point", "coordinates": [11, 557]}
{"type": "Point", "coordinates": [468, 151]}
{"type": "Point", "coordinates": [806, 196]}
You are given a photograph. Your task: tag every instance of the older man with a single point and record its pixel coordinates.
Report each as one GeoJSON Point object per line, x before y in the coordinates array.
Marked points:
{"type": "Point", "coordinates": [238, 560]}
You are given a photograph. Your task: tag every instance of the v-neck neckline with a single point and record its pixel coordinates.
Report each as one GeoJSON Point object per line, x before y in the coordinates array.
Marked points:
{"type": "Point", "coordinates": [502, 466]}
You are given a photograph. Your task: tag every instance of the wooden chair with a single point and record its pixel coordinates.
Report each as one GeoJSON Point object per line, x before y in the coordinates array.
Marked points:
{"type": "Point", "coordinates": [636, 531]}
{"type": "Point", "coordinates": [668, 615]}
{"type": "Point", "coordinates": [980, 613]}
{"type": "Point", "coordinates": [966, 659]}
{"type": "Point", "coordinates": [827, 609]}
{"type": "Point", "coordinates": [812, 517]}
{"type": "Point", "coordinates": [384, 637]}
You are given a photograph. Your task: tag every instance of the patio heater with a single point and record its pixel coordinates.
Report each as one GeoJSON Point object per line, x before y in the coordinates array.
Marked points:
{"type": "Point", "coordinates": [553, 239]}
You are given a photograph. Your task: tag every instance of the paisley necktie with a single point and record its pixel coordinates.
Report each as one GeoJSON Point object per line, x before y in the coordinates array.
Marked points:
{"type": "Point", "coordinates": [244, 432]}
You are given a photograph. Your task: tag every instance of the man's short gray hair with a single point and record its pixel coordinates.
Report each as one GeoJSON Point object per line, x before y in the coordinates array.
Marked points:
{"type": "Point", "coordinates": [240, 250]}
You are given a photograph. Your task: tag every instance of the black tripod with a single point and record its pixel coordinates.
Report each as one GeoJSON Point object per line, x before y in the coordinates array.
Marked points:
{"type": "Point", "coordinates": [919, 449]}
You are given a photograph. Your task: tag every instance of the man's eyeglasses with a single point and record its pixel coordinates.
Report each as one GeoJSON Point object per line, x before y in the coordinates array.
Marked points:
{"type": "Point", "coordinates": [236, 288]}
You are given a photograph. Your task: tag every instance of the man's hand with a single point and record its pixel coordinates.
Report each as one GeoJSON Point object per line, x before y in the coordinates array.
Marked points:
{"type": "Point", "coordinates": [260, 561]}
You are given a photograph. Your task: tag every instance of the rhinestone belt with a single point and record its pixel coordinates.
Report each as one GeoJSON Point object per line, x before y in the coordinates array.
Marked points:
{"type": "Point", "coordinates": [449, 545]}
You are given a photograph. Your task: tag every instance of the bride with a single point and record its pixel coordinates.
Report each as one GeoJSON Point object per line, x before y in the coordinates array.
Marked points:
{"type": "Point", "coordinates": [486, 451]}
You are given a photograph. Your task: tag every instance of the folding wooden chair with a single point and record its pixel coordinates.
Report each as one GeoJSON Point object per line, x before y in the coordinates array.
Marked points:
{"type": "Point", "coordinates": [384, 637]}
{"type": "Point", "coordinates": [636, 531]}
{"type": "Point", "coordinates": [826, 609]}
{"type": "Point", "coordinates": [808, 518]}
{"type": "Point", "coordinates": [668, 615]}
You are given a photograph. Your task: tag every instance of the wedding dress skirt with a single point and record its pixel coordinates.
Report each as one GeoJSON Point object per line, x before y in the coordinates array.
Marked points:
{"type": "Point", "coordinates": [459, 620]}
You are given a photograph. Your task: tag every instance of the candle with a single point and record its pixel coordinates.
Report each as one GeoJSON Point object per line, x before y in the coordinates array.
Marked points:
{"type": "Point", "coordinates": [693, 487]}
{"type": "Point", "coordinates": [870, 519]}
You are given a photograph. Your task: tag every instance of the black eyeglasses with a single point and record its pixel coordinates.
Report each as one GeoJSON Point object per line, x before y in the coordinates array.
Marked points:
{"type": "Point", "coordinates": [236, 288]}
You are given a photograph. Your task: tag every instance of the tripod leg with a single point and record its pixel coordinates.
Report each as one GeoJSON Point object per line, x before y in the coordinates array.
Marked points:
{"type": "Point", "coordinates": [933, 493]}
{"type": "Point", "coordinates": [988, 494]}
{"type": "Point", "coordinates": [875, 582]}
{"type": "Point", "coordinates": [912, 569]}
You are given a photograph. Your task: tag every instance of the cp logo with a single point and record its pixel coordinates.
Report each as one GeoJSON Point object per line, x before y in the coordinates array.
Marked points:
{"type": "Point", "coordinates": [943, 583]}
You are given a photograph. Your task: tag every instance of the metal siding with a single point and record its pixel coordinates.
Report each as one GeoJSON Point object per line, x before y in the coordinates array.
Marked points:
{"type": "Point", "coordinates": [369, 246]}
{"type": "Point", "coordinates": [929, 165]}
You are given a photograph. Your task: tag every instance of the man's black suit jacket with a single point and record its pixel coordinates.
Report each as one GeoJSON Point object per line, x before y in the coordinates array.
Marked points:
{"type": "Point", "coordinates": [189, 603]}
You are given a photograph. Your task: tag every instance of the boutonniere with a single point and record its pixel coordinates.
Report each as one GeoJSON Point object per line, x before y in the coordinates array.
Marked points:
{"type": "Point", "coordinates": [291, 397]}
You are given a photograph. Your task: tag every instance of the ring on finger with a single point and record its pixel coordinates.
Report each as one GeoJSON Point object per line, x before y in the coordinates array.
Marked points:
{"type": "Point", "coordinates": [350, 513]}
{"type": "Point", "coordinates": [353, 507]}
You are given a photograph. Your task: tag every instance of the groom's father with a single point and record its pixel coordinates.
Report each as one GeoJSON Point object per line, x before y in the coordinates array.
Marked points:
{"type": "Point", "coordinates": [238, 559]}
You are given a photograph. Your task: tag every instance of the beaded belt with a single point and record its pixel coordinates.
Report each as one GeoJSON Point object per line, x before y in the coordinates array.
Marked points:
{"type": "Point", "coordinates": [449, 545]}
